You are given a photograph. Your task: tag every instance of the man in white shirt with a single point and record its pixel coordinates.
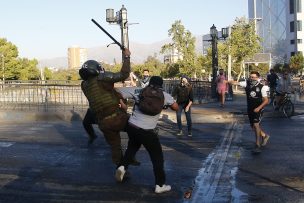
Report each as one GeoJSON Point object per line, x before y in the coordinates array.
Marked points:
{"type": "Point", "coordinates": [257, 99]}
{"type": "Point", "coordinates": [141, 131]}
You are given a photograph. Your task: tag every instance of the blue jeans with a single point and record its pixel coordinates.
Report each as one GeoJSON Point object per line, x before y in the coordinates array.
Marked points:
{"type": "Point", "coordinates": [188, 117]}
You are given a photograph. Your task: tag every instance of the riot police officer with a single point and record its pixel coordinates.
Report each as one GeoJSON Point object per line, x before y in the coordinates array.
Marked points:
{"type": "Point", "coordinates": [105, 101]}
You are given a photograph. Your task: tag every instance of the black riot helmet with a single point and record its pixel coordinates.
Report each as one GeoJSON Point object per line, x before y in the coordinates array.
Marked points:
{"type": "Point", "coordinates": [90, 68]}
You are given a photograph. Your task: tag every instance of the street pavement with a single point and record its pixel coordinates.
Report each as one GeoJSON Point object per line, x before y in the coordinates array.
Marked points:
{"type": "Point", "coordinates": [45, 158]}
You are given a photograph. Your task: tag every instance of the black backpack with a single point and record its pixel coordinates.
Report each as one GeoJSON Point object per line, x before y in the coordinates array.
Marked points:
{"type": "Point", "coordinates": [151, 100]}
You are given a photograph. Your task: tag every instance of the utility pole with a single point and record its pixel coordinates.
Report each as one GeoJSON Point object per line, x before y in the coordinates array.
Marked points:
{"type": "Point", "coordinates": [229, 57]}
{"type": "Point", "coordinates": [124, 27]}
{"type": "Point", "coordinates": [3, 78]}
{"type": "Point", "coordinates": [214, 38]}
{"type": "Point", "coordinates": [122, 20]}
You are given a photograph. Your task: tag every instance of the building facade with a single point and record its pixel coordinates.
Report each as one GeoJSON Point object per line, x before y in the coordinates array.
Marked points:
{"type": "Point", "coordinates": [76, 57]}
{"type": "Point", "coordinates": [279, 24]}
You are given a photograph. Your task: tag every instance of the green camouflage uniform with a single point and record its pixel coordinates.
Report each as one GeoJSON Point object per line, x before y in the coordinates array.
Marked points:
{"type": "Point", "coordinates": [104, 101]}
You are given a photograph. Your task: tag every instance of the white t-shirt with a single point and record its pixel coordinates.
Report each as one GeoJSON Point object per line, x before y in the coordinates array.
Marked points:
{"type": "Point", "coordinates": [139, 119]}
{"type": "Point", "coordinates": [147, 122]}
{"type": "Point", "coordinates": [264, 90]}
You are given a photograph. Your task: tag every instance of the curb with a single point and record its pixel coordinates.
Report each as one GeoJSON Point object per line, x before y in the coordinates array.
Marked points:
{"type": "Point", "coordinates": [26, 116]}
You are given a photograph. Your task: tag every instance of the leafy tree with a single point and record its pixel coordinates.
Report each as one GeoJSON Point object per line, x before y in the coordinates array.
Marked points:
{"type": "Point", "coordinates": [154, 66]}
{"type": "Point", "coordinates": [204, 67]}
{"type": "Point", "coordinates": [171, 71]}
{"type": "Point", "coordinates": [48, 74]}
{"type": "Point", "coordinates": [222, 50]}
{"type": "Point", "coordinates": [297, 63]}
{"type": "Point", "coordinates": [243, 42]}
{"type": "Point", "coordinates": [17, 68]}
{"type": "Point", "coordinates": [10, 53]}
{"type": "Point", "coordinates": [262, 68]}
{"type": "Point", "coordinates": [184, 44]}
{"type": "Point", "coordinates": [29, 70]}
{"type": "Point", "coordinates": [68, 74]}
{"type": "Point", "coordinates": [280, 68]}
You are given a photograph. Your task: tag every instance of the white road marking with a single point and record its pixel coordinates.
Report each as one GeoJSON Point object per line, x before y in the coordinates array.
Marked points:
{"type": "Point", "coordinates": [6, 144]}
{"type": "Point", "coordinates": [206, 183]}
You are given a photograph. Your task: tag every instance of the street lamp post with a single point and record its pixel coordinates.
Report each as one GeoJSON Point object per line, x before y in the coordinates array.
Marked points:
{"type": "Point", "coordinates": [3, 78]}
{"type": "Point", "coordinates": [121, 19]}
{"type": "Point", "coordinates": [214, 38]}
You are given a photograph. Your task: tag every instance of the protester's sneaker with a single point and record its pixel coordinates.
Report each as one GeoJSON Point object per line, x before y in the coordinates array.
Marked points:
{"type": "Point", "coordinates": [120, 172]}
{"type": "Point", "coordinates": [189, 134]}
{"type": "Point", "coordinates": [164, 188]}
{"type": "Point", "coordinates": [256, 150]}
{"type": "Point", "coordinates": [265, 140]}
{"type": "Point", "coordinates": [180, 133]}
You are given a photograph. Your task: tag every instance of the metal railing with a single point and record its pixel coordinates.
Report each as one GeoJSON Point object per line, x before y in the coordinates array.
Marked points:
{"type": "Point", "coordinates": [42, 96]}
{"type": "Point", "coordinates": [67, 95]}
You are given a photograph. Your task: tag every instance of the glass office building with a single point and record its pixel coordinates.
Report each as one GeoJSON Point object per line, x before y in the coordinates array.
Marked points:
{"type": "Point", "coordinates": [279, 24]}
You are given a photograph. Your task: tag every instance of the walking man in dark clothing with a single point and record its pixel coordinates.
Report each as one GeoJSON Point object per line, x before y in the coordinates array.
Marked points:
{"type": "Point", "coordinates": [272, 79]}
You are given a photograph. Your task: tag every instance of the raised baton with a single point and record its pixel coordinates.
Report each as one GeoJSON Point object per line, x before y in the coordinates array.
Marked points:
{"type": "Point", "coordinates": [115, 41]}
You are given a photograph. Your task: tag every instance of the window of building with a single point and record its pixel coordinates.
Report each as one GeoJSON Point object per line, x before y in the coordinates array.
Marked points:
{"type": "Point", "coordinates": [291, 26]}
{"type": "Point", "coordinates": [291, 6]}
{"type": "Point", "coordinates": [299, 41]}
{"type": "Point", "coordinates": [299, 6]}
{"type": "Point", "coordinates": [299, 25]}
{"type": "Point", "coordinates": [292, 53]}
{"type": "Point", "coordinates": [292, 41]}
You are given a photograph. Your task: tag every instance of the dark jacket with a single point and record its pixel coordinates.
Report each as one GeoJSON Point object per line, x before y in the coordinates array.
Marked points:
{"type": "Point", "coordinates": [183, 94]}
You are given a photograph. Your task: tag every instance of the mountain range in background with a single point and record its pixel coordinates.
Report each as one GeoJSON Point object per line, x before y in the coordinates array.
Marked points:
{"type": "Point", "coordinates": [112, 53]}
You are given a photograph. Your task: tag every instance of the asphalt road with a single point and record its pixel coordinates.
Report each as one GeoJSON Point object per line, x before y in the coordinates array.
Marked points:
{"type": "Point", "coordinates": [49, 160]}
{"type": "Point", "coordinates": [277, 174]}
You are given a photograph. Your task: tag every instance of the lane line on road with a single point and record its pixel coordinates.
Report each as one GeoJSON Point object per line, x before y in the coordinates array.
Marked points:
{"type": "Point", "coordinates": [6, 144]}
{"type": "Point", "coordinates": [207, 181]}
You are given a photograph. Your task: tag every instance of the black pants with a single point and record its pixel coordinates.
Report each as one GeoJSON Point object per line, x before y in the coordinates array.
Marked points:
{"type": "Point", "coordinates": [149, 139]}
{"type": "Point", "coordinates": [88, 121]}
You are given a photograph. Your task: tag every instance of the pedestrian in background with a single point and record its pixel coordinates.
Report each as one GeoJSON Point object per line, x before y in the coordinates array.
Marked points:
{"type": "Point", "coordinates": [141, 131]}
{"type": "Point", "coordinates": [272, 79]}
{"type": "Point", "coordinates": [144, 82]}
{"type": "Point", "coordinates": [257, 99]}
{"type": "Point", "coordinates": [133, 80]}
{"type": "Point", "coordinates": [221, 86]}
{"type": "Point", "coordinates": [283, 87]}
{"type": "Point", "coordinates": [183, 94]}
